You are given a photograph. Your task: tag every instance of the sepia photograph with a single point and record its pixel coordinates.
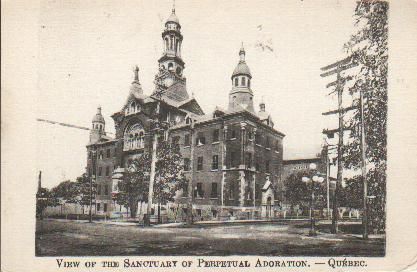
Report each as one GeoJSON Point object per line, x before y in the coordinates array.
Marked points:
{"type": "Point", "coordinates": [185, 128]}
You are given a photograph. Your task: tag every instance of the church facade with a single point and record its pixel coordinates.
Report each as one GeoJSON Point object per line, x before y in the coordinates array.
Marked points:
{"type": "Point", "coordinates": [233, 157]}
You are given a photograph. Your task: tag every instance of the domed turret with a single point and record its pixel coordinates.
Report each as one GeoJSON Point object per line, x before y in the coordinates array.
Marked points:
{"type": "Point", "coordinates": [98, 125]}
{"type": "Point", "coordinates": [173, 18]}
{"type": "Point", "coordinates": [241, 96]}
{"type": "Point", "coordinates": [98, 118]}
{"type": "Point", "coordinates": [242, 68]}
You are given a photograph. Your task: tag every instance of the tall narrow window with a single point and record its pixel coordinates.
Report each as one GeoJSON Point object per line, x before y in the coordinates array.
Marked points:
{"type": "Point", "coordinates": [213, 190]}
{"type": "Point", "coordinates": [249, 82]}
{"type": "Point", "coordinates": [243, 81]}
{"type": "Point", "coordinates": [99, 171]}
{"type": "Point", "coordinates": [236, 82]}
{"type": "Point", "coordinates": [187, 140]}
{"type": "Point", "coordinates": [267, 170]}
{"type": "Point", "coordinates": [107, 171]}
{"type": "Point", "coordinates": [199, 163]}
{"type": "Point", "coordinates": [215, 162]}
{"type": "Point", "coordinates": [105, 207]}
{"type": "Point", "coordinates": [201, 140]}
{"type": "Point", "coordinates": [233, 159]}
{"type": "Point", "coordinates": [106, 190]}
{"type": "Point", "coordinates": [232, 190]}
{"type": "Point", "coordinates": [216, 135]}
{"type": "Point", "coordinates": [187, 164]}
{"type": "Point", "coordinates": [108, 153]}
{"type": "Point", "coordinates": [199, 193]}
{"type": "Point", "coordinates": [233, 134]}
{"type": "Point", "coordinates": [249, 160]}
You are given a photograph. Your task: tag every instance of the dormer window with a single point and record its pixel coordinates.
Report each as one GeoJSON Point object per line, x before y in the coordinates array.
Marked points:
{"type": "Point", "coordinates": [188, 120]}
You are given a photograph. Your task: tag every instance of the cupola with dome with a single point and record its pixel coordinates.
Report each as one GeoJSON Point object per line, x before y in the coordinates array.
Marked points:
{"type": "Point", "coordinates": [98, 126]}
{"type": "Point", "coordinates": [241, 96]}
{"type": "Point", "coordinates": [171, 65]}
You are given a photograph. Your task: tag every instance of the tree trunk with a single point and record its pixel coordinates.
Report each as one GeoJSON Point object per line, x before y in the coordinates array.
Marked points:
{"type": "Point", "coordinates": [159, 212]}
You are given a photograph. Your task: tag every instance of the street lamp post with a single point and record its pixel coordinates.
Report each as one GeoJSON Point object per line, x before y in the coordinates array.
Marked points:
{"type": "Point", "coordinates": [319, 179]}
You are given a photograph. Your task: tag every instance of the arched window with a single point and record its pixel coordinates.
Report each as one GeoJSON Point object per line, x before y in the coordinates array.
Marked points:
{"type": "Point", "coordinates": [166, 44]}
{"type": "Point", "coordinates": [236, 82]}
{"type": "Point", "coordinates": [170, 66]}
{"type": "Point", "coordinates": [138, 107]}
{"type": "Point", "coordinates": [188, 120]}
{"type": "Point", "coordinates": [243, 81]}
{"type": "Point", "coordinates": [134, 137]}
{"type": "Point", "coordinates": [132, 107]}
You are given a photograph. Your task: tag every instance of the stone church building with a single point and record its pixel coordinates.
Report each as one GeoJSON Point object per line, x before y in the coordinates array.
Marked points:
{"type": "Point", "coordinates": [233, 156]}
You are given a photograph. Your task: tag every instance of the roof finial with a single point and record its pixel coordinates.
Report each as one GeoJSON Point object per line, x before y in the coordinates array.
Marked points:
{"type": "Point", "coordinates": [242, 53]}
{"type": "Point", "coordinates": [99, 109]}
{"type": "Point", "coordinates": [173, 6]}
{"type": "Point", "coordinates": [136, 73]}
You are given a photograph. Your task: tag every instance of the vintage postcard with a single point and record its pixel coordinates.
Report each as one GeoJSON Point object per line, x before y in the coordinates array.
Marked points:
{"type": "Point", "coordinates": [181, 135]}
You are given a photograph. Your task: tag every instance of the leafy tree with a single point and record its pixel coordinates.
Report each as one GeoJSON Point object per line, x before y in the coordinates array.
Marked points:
{"type": "Point", "coordinates": [369, 47]}
{"type": "Point", "coordinates": [169, 177]}
{"type": "Point", "coordinates": [44, 198]}
{"type": "Point", "coordinates": [135, 183]}
{"type": "Point", "coordinates": [299, 193]}
{"type": "Point", "coordinates": [83, 190]}
{"type": "Point", "coordinates": [67, 190]}
{"type": "Point", "coordinates": [351, 195]}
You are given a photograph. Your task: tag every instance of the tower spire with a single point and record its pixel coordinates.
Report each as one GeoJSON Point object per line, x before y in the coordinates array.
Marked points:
{"type": "Point", "coordinates": [136, 73]}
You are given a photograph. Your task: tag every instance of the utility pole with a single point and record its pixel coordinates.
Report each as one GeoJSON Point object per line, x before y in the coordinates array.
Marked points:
{"type": "Point", "coordinates": [337, 68]}
{"type": "Point", "coordinates": [326, 150]}
{"type": "Point", "coordinates": [157, 95]}
{"type": "Point", "coordinates": [363, 166]}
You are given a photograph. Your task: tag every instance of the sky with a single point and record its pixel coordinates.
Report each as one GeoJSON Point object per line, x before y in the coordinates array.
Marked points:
{"type": "Point", "coordinates": [87, 51]}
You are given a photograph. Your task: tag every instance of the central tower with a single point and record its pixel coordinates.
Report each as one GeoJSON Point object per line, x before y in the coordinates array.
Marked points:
{"type": "Point", "coordinates": [171, 65]}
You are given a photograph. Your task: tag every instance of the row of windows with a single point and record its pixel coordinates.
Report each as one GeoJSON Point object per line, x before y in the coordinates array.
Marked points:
{"type": "Point", "coordinates": [199, 192]}
{"type": "Point", "coordinates": [100, 171]}
{"type": "Point", "coordinates": [231, 192]}
{"type": "Point", "coordinates": [233, 162]}
{"type": "Point", "coordinates": [233, 134]}
{"type": "Point", "coordinates": [101, 154]}
{"type": "Point", "coordinates": [133, 108]}
{"type": "Point", "coordinates": [103, 189]}
{"type": "Point", "coordinates": [242, 82]}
